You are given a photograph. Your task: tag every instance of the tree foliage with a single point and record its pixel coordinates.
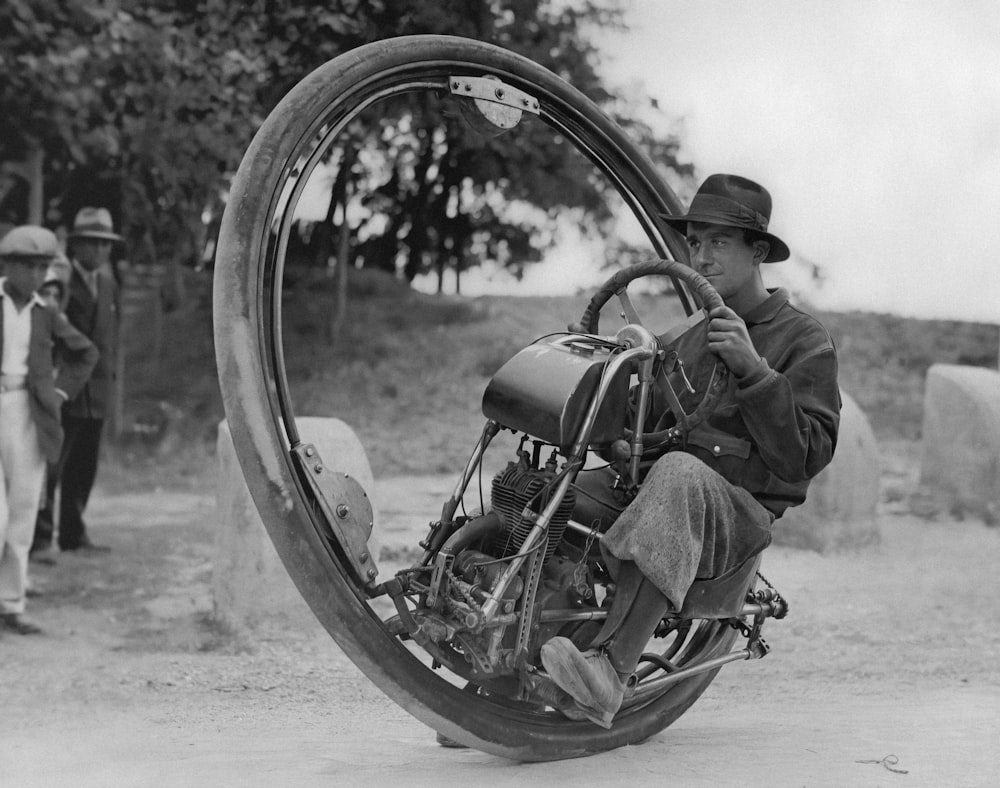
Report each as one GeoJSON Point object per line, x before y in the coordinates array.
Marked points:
{"type": "Point", "coordinates": [145, 106]}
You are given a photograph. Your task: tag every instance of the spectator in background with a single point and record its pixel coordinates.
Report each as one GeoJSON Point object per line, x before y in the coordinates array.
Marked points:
{"type": "Point", "coordinates": [93, 307]}
{"type": "Point", "coordinates": [32, 391]}
{"type": "Point", "coordinates": [60, 271]}
{"type": "Point", "coordinates": [51, 293]}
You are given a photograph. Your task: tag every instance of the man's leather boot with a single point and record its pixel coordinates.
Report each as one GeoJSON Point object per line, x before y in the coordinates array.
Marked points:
{"type": "Point", "coordinates": [597, 678]}
{"type": "Point", "coordinates": [587, 676]}
{"type": "Point", "coordinates": [625, 647]}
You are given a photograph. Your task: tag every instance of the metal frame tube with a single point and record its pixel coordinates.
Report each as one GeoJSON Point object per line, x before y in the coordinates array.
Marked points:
{"type": "Point", "coordinates": [573, 463]}
{"type": "Point", "coordinates": [656, 685]}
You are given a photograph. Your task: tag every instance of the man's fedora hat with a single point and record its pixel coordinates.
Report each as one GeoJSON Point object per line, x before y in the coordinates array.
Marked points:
{"type": "Point", "coordinates": [732, 201]}
{"type": "Point", "coordinates": [29, 242]}
{"type": "Point", "coordinates": [94, 223]}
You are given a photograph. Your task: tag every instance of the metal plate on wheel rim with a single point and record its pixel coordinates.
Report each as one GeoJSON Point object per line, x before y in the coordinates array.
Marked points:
{"type": "Point", "coordinates": [346, 509]}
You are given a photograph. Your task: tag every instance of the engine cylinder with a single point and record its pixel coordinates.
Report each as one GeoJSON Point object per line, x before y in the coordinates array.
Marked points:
{"type": "Point", "coordinates": [514, 489]}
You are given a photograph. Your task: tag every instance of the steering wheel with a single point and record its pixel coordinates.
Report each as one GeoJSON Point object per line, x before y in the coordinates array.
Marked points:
{"type": "Point", "coordinates": [709, 298]}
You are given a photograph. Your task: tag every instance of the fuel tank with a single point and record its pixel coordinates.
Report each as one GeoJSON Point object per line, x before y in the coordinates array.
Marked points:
{"type": "Point", "coordinates": [545, 391]}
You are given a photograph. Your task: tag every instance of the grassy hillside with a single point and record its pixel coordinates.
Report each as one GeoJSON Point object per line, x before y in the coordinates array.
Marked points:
{"type": "Point", "coordinates": [409, 371]}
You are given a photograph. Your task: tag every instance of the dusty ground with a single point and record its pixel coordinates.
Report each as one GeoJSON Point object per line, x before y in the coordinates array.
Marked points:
{"type": "Point", "coordinates": [885, 673]}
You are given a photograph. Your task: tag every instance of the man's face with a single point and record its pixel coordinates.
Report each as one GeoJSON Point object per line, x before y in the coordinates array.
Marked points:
{"type": "Point", "coordinates": [91, 253]}
{"type": "Point", "coordinates": [49, 293]}
{"type": "Point", "coordinates": [721, 255]}
{"type": "Point", "coordinates": [26, 274]}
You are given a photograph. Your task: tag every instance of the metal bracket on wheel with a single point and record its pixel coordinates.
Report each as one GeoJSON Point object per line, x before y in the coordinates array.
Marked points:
{"type": "Point", "coordinates": [496, 106]}
{"type": "Point", "coordinates": [491, 89]}
{"type": "Point", "coordinates": [346, 510]}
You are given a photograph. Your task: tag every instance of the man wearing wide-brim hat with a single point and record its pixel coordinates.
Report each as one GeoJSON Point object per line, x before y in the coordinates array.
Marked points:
{"type": "Point", "coordinates": [93, 305]}
{"type": "Point", "coordinates": [43, 362]}
{"type": "Point", "coordinates": [94, 223]}
{"type": "Point", "coordinates": [708, 506]}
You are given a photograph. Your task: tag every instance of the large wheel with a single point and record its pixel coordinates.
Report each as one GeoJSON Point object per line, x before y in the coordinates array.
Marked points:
{"type": "Point", "coordinates": [297, 135]}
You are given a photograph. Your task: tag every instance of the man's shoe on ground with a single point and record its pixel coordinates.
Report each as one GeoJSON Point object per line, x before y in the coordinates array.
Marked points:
{"type": "Point", "coordinates": [42, 555]}
{"type": "Point", "coordinates": [587, 676]}
{"type": "Point", "coordinates": [86, 546]}
{"type": "Point", "coordinates": [16, 622]}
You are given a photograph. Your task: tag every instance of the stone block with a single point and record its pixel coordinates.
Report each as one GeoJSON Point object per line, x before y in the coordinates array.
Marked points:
{"type": "Point", "coordinates": [960, 458]}
{"type": "Point", "coordinates": [840, 510]}
{"type": "Point", "coordinates": [250, 586]}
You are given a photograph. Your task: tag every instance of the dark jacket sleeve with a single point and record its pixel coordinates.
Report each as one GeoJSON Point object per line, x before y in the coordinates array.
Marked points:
{"type": "Point", "coordinates": [76, 356]}
{"type": "Point", "coordinates": [793, 415]}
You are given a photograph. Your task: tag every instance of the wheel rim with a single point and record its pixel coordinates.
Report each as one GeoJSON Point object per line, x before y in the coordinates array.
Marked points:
{"type": "Point", "coordinates": [256, 391]}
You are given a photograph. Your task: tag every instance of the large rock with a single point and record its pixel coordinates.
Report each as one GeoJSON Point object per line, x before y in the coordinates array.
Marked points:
{"type": "Point", "coordinates": [840, 509]}
{"type": "Point", "coordinates": [249, 583]}
{"type": "Point", "coordinates": [961, 438]}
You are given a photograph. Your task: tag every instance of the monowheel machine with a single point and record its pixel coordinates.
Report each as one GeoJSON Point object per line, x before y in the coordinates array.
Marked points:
{"type": "Point", "coordinates": [454, 636]}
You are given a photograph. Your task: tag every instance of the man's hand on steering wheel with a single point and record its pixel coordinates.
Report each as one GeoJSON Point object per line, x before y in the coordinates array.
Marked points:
{"type": "Point", "coordinates": [717, 381]}
{"type": "Point", "coordinates": [729, 339]}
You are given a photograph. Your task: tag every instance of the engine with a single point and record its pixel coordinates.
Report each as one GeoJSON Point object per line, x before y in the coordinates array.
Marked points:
{"type": "Point", "coordinates": [525, 486]}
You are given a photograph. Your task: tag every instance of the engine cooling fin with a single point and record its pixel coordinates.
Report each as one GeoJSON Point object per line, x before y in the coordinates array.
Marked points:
{"type": "Point", "coordinates": [514, 489]}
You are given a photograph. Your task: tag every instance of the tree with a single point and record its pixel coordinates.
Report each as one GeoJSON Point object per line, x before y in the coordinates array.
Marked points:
{"type": "Point", "coordinates": [138, 106]}
{"type": "Point", "coordinates": [145, 106]}
{"type": "Point", "coordinates": [445, 192]}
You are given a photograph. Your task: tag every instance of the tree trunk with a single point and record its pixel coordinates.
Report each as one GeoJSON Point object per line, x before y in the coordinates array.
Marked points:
{"type": "Point", "coordinates": [341, 196]}
{"type": "Point", "coordinates": [33, 169]}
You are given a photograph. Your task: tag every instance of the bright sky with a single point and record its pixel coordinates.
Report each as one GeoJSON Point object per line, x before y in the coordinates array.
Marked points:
{"type": "Point", "coordinates": [874, 125]}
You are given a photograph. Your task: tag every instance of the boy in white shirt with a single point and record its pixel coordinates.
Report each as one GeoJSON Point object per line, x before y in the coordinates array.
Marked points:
{"type": "Point", "coordinates": [33, 387]}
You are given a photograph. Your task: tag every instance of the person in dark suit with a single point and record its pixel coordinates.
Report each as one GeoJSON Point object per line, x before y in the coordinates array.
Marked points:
{"type": "Point", "coordinates": [94, 308]}
{"type": "Point", "coordinates": [43, 362]}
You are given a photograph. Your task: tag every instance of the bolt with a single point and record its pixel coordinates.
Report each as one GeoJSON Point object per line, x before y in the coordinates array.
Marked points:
{"type": "Point", "coordinates": [343, 510]}
{"type": "Point", "coordinates": [371, 574]}
{"type": "Point", "coordinates": [454, 85]}
{"type": "Point", "coordinates": [363, 557]}
{"type": "Point", "coordinates": [309, 451]}
{"type": "Point", "coordinates": [525, 102]}
{"type": "Point", "coordinates": [318, 467]}
{"type": "Point", "coordinates": [499, 93]}
{"type": "Point", "coordinates": [468, 87]}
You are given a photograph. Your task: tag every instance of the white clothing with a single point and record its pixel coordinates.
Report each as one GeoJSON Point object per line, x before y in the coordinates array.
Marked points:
{"type": "Point", "coordinates": [16, 333]}
{"type": "Point", "coordinates": [23, 466]}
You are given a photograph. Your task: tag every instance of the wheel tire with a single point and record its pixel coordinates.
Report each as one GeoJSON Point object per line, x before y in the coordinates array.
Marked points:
{"type": "Point", "coordinates": [252, 378]}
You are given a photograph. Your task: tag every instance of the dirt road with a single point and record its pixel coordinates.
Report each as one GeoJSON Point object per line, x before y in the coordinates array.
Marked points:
{"type": "Point", "coordinates": [886, 672]}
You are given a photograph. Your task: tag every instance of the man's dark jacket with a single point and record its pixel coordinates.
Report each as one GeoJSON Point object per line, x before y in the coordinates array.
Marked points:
{"type": "Point", "coordinates": [99, 319]}
{"type": "Point", "coordinates": [776, 428]}
{"type": "Point", "coordinates": [75, 357]}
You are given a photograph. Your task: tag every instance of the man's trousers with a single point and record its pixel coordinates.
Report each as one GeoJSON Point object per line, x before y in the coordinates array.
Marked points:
{"type": "Point", "coordinates": [75, 476]}
{"type": "Point", "coordinates": [686, 523]}
{"type": "Point", "coordinates": [23, 471]}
